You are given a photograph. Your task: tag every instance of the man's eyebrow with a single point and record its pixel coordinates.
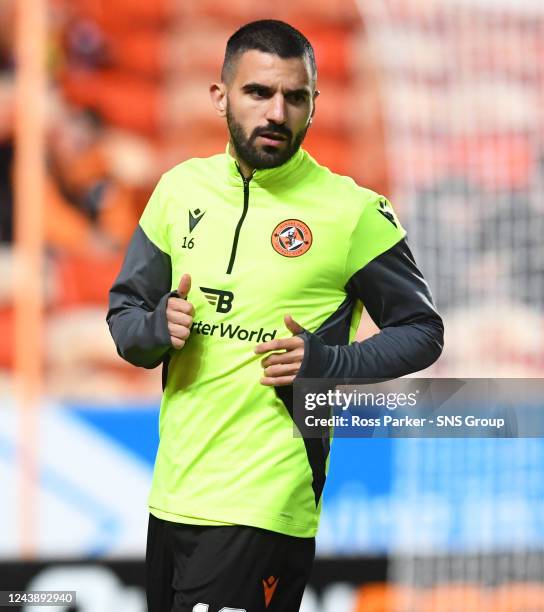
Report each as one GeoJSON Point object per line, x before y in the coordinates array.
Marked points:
{"type": "Point", "coordinates": [249, 87]}
{"type": "Point", "coordinates": [253, 86]}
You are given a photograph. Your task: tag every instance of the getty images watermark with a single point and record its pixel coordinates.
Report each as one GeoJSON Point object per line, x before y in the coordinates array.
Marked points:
{"type": "Point", "coordinates": [418, 407]}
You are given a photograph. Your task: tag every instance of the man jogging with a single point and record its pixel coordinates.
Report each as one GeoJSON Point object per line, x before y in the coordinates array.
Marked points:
{"type": "Point", "coordinates": [248, 269]}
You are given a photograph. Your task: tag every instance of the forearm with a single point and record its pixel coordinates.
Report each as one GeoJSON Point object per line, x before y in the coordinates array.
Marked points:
{"type": "Point", "coordinates": [142, 338]}
{"type": "Point", "coordinates": [137, 305]}
{"type": "Point", "coordinates": [394, 352]}
{"type": "Point", "coordinates": [399, 301]}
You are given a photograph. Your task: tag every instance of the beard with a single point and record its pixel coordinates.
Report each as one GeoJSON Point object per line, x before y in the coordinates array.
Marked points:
{"type": "Point", "coordinates": [267, 156]}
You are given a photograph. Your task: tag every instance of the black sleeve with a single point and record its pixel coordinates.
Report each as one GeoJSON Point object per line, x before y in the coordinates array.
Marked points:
{"type": "Point", "coordinates": [399, 301]}
{"type": "Point", "coordinates": [137, 304]}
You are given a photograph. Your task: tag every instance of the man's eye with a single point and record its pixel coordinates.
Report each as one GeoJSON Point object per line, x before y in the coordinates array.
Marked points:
{"type": "Point", "coordinates": [297, 98]}
{"type": "Point", "coordinates": [258, 93]}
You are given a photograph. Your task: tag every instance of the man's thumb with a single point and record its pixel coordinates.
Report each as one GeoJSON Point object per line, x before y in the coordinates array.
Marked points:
{"type": "Point", "coordinates": [184, 286]}
{"type": "Point", "coordinates": [292, 325]}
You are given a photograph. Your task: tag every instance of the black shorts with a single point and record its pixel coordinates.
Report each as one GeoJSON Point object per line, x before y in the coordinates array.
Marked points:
{"type": "Point", "coordinates": [190, 568]}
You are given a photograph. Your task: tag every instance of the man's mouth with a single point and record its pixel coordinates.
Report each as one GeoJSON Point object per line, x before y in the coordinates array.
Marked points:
{"type": "Point", "coordinates": [272, 138]}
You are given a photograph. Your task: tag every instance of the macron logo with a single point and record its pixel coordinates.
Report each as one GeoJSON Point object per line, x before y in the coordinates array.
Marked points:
{"type": "Point", "coordinates": [386, 211]}
{"type": "Point", "coordinates": [194, 218]}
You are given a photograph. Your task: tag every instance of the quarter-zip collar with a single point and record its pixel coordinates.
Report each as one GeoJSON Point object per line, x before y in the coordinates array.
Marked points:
{"type": "Point", "coordinates": [269, 176]}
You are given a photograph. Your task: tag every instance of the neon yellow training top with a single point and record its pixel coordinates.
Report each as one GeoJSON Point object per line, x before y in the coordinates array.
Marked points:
{"type": "Point", "coordinates": [296, 239]}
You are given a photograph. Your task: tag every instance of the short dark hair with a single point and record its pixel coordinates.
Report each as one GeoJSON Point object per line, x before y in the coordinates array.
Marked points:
{"type": "Point", "coordinates": [270, 36]}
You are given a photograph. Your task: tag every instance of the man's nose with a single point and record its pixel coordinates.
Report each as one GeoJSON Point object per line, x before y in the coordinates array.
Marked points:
{"type": "Point", "coordinates": [276, 109]}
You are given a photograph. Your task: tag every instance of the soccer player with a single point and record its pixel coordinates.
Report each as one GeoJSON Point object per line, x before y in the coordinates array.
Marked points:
{"type": "Point", "coordinates": [248, 269]}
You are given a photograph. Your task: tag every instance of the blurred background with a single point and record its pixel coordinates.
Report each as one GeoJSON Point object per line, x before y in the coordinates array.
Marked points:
{"type": "Point", "coordinates": [438, 104]}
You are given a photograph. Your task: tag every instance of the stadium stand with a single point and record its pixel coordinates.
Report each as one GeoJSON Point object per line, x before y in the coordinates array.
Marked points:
{"type": "Point", "coordinates": [130, 99]}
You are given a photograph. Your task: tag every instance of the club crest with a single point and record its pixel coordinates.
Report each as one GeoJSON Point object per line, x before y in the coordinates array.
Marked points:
{"type": "Point", "coordinates": [291, 238]}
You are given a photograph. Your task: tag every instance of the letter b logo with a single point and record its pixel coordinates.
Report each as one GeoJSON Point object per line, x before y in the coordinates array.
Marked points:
{"type": "Point", "coordinates": [222, 300]}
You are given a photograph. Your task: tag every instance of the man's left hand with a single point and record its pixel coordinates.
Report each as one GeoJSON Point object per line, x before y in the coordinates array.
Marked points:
{"type": "Point", "coordinates": [281, 368]}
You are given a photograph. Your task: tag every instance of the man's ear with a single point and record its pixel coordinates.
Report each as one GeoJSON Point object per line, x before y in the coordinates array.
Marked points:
{"type": "Point", "coordinates": [316, 93]}
{"type": "Point", "coordinates": [218, 95]}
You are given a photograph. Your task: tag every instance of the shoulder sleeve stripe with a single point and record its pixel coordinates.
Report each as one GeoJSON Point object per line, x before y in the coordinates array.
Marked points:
{"type": "Point", "coordinates": [377, 230]}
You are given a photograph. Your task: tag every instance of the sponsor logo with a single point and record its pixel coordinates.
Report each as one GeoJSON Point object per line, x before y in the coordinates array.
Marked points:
{"type": "Point", "coordinates": [194, 218]}
{"type": "Point", "coordinates": [291, 238]}
{"type": "Point", "coordinates": [221, 300]}
{"type": "Point", "coordinates": [269, 585]}
{"type": "Point", "coordinates": [232, 331]}
{"type": "Point", "coordinates": [386, 210]}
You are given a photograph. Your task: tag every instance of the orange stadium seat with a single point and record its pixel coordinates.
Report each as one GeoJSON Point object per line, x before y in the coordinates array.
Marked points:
{"type": "Point", "coordinates": [199, 49]}
{"type": "Point", "coordinates": [381, 597]}
{"type": "Point", "coordinates": [454, 598]}
{"type": "Point", "coordinates": [333, 51]}
{"type": "Point", "coordinates": [68, 229]}
{"type": "Point", "coordinates": [330, 150]}
{"type": "Point", "coordinates": [196, 49]}
{"type": "Point", "coordinates": [138, 51]}
{"type": "Point", "coordinates": [322, 11]}
{"type": "Point", "coordinates": [186, 103]}
{"type": "Point", "coordinates": [195, 141]}
{"type": "Point", "coordinates": [368, 166]}
{"type": "Point", "coordinates": [121, 99]}
{"type": "Point", "coordinates": [300, 13]}
{"type": "Point", "coordinates": [7, 323]}
{"type": "Point", "coordinates": [336, 107]}
{"type": "Point", "coordinates": [234, 11]}
{"type": "Point", "coordinates": [518, 597]}
{"type": "Point", "coordinates": [65, 227]}
{"type": "Point", "coordinates": [115, 12]}
{"type": "Point", "coordinates": [84, 279]}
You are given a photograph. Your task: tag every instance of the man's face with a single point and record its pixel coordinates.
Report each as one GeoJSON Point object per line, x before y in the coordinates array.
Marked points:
{"type": "Point", "coordinates": [270, 101]}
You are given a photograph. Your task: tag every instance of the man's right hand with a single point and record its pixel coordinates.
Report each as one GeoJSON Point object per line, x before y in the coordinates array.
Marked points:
{"type": "Point", "coordinates": [179, 314]}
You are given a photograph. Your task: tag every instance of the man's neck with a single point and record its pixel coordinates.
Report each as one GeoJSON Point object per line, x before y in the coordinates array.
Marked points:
{"type": "Point", "coordinates": [245, 169]}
